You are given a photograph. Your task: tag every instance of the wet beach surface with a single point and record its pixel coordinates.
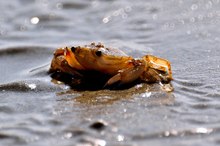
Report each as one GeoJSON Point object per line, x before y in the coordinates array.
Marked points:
{"type": "Point", "coordinates": [36, 111]}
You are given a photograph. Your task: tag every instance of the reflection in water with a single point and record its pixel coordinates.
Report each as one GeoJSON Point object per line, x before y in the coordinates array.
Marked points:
{"type": "Point", "coordinates": [149, 92]}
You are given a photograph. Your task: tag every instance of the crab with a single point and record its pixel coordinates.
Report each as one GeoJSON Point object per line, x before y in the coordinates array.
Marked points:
{"type": "Point", "coordinates": [118, 68]}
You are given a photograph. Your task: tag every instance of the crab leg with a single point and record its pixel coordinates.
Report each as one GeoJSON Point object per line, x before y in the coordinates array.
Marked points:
{"type": "Point", "coordinates": [155, 64]}
{"type": "Point", "coordinates": [127, 75]}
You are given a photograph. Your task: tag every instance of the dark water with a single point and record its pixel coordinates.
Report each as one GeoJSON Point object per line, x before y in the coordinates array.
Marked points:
{"type": "Point", "coordinates": [35, 111]}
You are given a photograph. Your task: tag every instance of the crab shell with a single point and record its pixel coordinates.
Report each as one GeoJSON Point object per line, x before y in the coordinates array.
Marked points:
{"type": "Point", "coordinates": [120, 67]}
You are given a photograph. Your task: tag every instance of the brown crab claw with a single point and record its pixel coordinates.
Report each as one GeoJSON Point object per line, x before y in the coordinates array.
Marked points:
{"type": "Point", "coordinates": [71, 59]}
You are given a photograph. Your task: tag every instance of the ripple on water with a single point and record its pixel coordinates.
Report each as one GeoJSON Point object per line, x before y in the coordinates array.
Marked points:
{"type": "Point", "coordinates": [197, 105]}
{"type": "Point", "coordinates": [74, 5]}
{"type": "Point", "coordinates": [5, 109]}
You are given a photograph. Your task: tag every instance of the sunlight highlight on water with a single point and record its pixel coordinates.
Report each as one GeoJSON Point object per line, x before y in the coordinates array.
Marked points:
{"type": "Point", "coordinates": [31, 86]}
{"type": "Point", "coordinates": [35, 20]}
{"type": "Point", "coordinates": [203, 130]}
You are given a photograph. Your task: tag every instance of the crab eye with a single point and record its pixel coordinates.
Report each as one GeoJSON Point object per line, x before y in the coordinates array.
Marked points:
{"type": "Point", "coordinates": [73, 49]}
{"type": "Point", "coordinates": [98, 53]}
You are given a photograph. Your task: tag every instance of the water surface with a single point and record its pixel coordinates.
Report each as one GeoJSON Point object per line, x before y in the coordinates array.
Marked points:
{"type": "Point", "coordinates": [35, 111]}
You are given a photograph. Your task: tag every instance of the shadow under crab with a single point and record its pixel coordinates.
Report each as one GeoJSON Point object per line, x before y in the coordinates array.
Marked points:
{"type": "Point", "coordinates": [92, 80]}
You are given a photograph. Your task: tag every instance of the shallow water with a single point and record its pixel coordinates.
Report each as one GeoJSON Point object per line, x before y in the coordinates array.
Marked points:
{"type": "Point", "coordinates": [35, 111]}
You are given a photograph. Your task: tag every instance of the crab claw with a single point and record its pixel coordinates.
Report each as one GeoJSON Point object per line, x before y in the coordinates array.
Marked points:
{"type": "Point", "coordinates": [71, 59]}
{"type": "Point", "coordinates": [159, 69]}
{"type": "Point", "coordinates": [59, 63]}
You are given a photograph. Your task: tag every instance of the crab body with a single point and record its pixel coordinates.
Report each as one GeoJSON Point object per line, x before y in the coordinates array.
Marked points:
{"type": "Point", "coordinates": [119, 67]}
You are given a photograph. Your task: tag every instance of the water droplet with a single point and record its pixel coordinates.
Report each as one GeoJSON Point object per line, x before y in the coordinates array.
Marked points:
{"type": "Point", "coordinates": [128, 9]}
{"type": "Point", "coordinates": [124, 16]}
{"type": "Point", "coordinates": [192, 19]}
{"type": "Point", "coordinates": [59, 6]}
{"type": "Point", "coordinates": [165, 26]}
{"type": "Point", "coordinates": [200, 17]}
{"type": "Point", "coordinates": [174, 132]}
{"type": "Point", "coordinates": [120, 138]}
{"type": "Point", "coordinates": [35, 20]}
{"type": "Point", "coordinates": [147, 94]}
{"type": "Point", "coordinates": [105, 20]}
{"type": "Point", "coordinates": [166, 133]}
{"type": "Point", "coordinates": [203, 130]}
{"type": "Point", "coordinates": [139, 86]}
{"type": "Point", "coordinates": [194, 7]}
{"type": "Point", "coordinates": [67, 135]}
{"type": "Point", "coordinates": [182, 21]}
{"type": "Point", "coordinates": [31, 86]}
{"type": "Point", "coordinates": [100, 142]}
